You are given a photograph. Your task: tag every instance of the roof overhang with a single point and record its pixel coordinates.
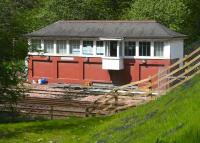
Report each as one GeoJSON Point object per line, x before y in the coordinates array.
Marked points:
{"type": "Point", "coordinates": [111, 39]}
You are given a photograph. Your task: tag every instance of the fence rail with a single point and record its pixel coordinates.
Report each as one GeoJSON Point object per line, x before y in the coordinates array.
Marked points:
{"type": "Point", "coordinates": [165, 80]}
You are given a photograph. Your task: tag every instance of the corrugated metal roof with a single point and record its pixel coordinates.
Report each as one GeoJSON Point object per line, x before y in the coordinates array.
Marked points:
{"type": "Point", "coordinates": [98, 28]}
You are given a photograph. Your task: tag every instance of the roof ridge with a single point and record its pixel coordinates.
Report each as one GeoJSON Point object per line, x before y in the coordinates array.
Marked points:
{"type": "Point", "coordinates": [109, 21]}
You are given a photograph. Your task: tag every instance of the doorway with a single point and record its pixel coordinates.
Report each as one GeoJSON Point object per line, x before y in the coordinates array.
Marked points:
{"type": "Point", "coordinates": [111, 48]}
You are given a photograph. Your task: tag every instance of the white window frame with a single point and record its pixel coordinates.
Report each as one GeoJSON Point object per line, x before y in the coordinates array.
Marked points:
{"type": "Point", "coordinates": [36, 48]}
{"type": "Point", "coordinates": [103, 48]}
{"type": "Point", "coordinates": [71, 48]}
{"type": "Point", "coordinates": [89, 53]}
{"type": "Point", "coordinates": [160, 48]}
{"type": "Point", "coordinates": [145, 49]}
{"type": "Point", "coordinates": [63, 48]}
{"type": "Point", "coordinates": [166, 48]}
{"type": "Point", "coordinates": [53, 47]}
{"type": "Point", "coordinates": [125, 49]}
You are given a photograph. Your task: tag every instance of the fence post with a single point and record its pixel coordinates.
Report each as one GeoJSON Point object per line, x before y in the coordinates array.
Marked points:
{"type": "Point", "coordinates": [186, 69]}
{"type": "Point", "coordinates": [150, 86]}
{"type": "Point", "coordinates": [116, 98]}
{"type": "Point", "coordinates": [87, 112]}
{"type": "Point", "coordinates": [51, 113]}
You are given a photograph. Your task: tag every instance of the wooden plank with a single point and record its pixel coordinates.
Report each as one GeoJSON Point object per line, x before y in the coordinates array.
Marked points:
{"type": "Point", "coordinates": [186, 79]}
{"type": "Point", "coordinates": [188, 71]}
{"type": "Point", "coordinates": [175, 71]}
{"type": "Point", "coordinates": [163, 71]}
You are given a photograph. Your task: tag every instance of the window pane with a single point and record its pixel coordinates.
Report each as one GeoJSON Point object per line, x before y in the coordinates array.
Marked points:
{"type": "Point", "coordinates": [87, 47]}
{"type": "Point", "coordinates": [99, 48]}
{"type": "Point", "coordinates": [144, 48]}
{"type": "Point", "coordinates": [74, 46]}
{"type": "Point", "coordinates": [158, 49]}
{"type": "Point", "coordinates": [35, 45]}
{"type": "Point", "coordinates": [129, 48]}
{"type": "Point", "coordinates": [48, 46]}
{"type": "Point", "coordinates": [61, 47]}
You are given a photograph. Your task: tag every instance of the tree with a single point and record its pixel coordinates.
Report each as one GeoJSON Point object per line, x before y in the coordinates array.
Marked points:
{"type": "Point", "coordinates": [179, 15]}
{"type": "Point", "coordinates": [171, 13]}
{"type": "Point", "coordinates": [88, 9]}
{"type": "Point", "coordinates": [11, 83]}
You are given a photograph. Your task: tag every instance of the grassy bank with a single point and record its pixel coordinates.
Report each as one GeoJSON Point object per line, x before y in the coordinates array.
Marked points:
{"type": "Point", "coordinates": [173, 118]}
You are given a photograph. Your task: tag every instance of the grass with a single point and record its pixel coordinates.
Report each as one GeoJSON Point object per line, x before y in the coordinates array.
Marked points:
{"type": "Point", "coordinates": [174, 118]}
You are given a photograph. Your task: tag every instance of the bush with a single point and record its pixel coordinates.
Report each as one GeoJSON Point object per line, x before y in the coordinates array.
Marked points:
{"type": "Point", "coordinates": [11, 83]}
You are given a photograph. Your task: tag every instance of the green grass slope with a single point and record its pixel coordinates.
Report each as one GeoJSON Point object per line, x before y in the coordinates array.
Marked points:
{"type": "Point", "coordinates": [174, 118]}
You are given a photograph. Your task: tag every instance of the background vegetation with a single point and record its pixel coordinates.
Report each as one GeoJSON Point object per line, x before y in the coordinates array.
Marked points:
{"type": "Point", "coordinates": [18, 17]}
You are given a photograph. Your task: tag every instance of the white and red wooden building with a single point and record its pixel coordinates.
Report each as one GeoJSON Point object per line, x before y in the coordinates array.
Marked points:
{"type": "Point", "coordinates": [116, 52]}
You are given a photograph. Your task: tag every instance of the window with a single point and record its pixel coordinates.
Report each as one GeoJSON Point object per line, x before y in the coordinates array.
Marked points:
{"type": "Point", "coordinates": [99, 48]}
{"type": "Point", "coordinates": [87, 47]}
{"type": "Point", "coordinates": [61, 47]}
{"type": "Point", "coordinates": [144, 48]}
{"type": "Point", "coordinates": [158, 49]}
{"type": "Point", "coordinates": [74, 46]}
{"type": "Point", "coordinates": [35, 45]}
{"type": "Point", "coordinates": [49, 46]}
{"type": "Point", "coordinates": [130, 48]}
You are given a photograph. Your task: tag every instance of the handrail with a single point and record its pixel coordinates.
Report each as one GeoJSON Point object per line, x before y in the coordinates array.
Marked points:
{"type": "Point", "coordinates": [188, 69]}
{"type": "Point", "coordinates": [175, 71]}
{"type": "Point", "coordinates": [178, 62]}
{"type": "Point", "coordinates": [132, 83]}
{"type": "Point", "coordinates": [161, 72]}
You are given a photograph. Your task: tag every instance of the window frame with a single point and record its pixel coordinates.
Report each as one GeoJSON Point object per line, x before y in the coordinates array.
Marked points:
{"type": "Point", "coordinates": [125, 43]}
{"type": "Point", "coordinates": [103, 48]}
{"type": "Point", "coordinates": [45, 48]}
{"type": "Point", "coordinates": [141, 50]}
{"type": "Point", "coordinates": [160, 48]}
{"type": "Point", "coordinates": [89, 51]}
{"type": "Point", "coordinates": [77, 46]}
{"type": "Point", "coordinates": [64, 48]}
{"type": "Point", "coordinates": [36, 49]}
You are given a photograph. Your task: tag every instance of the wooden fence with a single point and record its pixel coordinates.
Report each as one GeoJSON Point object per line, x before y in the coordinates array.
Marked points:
{"type": "Point", "coordinates": [171, 77]}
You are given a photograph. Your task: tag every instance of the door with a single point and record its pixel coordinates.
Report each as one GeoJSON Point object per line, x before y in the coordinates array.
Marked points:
{"type": "Point", "coordinates": [113, 48]}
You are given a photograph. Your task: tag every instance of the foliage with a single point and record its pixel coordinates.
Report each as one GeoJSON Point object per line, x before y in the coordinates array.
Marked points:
{"type": "Point", "coordinates": [20, 16]}
{"type": "Point", "coordinates": [11, 83]}
{"type": "Point", "coordinates": [170, 13]}
{"type": "Point", "coordinates": [179, 15]}
{"type": "Point", "coordinates": [88, 9]}
{"type": "Point", "coordinates": [173, 118]}
{"type": "Point", "coordinates": [11, 27]}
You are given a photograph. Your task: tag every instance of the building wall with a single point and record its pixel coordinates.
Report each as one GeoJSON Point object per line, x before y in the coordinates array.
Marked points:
{"type": "Point", "coordinates": [80, 69]}
{"type": "Point", "coordinates": [176, 49]}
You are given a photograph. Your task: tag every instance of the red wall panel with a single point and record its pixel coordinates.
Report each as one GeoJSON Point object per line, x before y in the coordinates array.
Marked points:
{"type": "Point", "coordinates": [42, 69]}
{"type": "Point", "coordinates": [69, 70]}
{"type": "Point", "coordinates": [149, 70]}
{"type": "Point", "coordinates": [94, 72]}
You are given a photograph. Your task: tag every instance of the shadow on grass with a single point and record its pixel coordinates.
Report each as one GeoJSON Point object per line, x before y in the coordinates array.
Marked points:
{"type": "Point", "coordinates": [75, 125]}
{"type": "Point", "coordinates": [10, 117]}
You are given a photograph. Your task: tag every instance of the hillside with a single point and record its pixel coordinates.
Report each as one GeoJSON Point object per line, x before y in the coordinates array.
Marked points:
{"type": "Point", "coordinates": [173, 118]}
